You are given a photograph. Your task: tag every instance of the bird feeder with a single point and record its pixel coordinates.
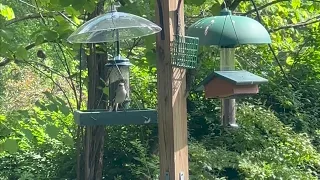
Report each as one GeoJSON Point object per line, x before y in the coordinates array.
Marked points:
{"type": "Point", "coordinates": [228, 31]}
{"type": "Point", "coordinates": [230, 84]}
{"type": "Point", "coordinates": [113, 27]}
{"type": "Point", "coordinates": [119, 72]}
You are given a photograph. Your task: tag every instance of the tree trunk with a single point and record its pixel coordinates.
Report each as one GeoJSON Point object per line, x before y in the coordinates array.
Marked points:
{"type": "Point", "coordinates": [90, 149]}
{"type": "Point", "coordinates": [94, 135]}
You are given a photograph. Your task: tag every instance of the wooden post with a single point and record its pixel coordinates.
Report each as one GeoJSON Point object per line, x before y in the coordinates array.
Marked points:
{"type": "Point", "coordinates": [228, 106]}
{"type": "Point", "coordinates": [172, 111]}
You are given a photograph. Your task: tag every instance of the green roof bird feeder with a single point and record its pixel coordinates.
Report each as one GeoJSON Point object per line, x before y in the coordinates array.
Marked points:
{"type": "Point", "coordinates": [113, 27]}
{"type": "Point", "coordinates": [228, 31]}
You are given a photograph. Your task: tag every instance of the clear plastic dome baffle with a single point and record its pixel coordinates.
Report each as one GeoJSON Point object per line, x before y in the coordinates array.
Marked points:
{"type": "Point", "coordinates": [113, 26]}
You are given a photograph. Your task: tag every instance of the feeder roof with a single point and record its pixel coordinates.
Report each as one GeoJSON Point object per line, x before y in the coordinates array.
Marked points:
{"type": "Point", "coordinates": [104, 28]}
{"type": "Point", "coordinates": [119, 61]}
{"type": "Point", "coordinates": [227, 30]}
{"type": "Point", "coordinates": [234, 77]}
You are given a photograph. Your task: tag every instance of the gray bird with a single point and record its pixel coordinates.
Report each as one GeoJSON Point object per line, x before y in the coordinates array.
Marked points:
{"type": "Point", "coordinates": [121, 95]}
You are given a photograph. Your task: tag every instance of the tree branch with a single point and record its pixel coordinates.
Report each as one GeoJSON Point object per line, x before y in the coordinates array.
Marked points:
{"type": "Point", "coordinates": [269, 4]}
{"type": "Point", "coordinates": [300, 24]}
{"type": "Point", "coordinates": [262, 7]}
{"type": "Point", "coordinates": [5, 62]}
{"type": "Point", "coordinates": [37, 15]}
{"type": "Point", "coordinates": [8, 60]}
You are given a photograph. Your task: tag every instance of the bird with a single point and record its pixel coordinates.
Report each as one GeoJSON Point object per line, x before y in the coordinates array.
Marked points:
{"type": "Point", "coordinates": [121, 95]}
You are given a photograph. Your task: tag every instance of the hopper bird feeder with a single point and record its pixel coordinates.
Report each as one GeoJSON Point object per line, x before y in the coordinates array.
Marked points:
{"type": "Point", "coordinates": [230, 84]}
{"type": "Point", "coordinates": [228, 31]}
{"type": "Point", "coordinates": [113, 27]}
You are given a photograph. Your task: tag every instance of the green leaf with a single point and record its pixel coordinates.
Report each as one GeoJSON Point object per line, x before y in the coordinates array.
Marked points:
{"type": "Point", "coordinates": [52, 131]}
{"type": "Point", "coordinates": [2, 117]}
{"type": "Point", "coordinates": [51, 35]}
{"type": "Point", "coordinates": [4, 34]}
{"type": "Point", "coordinates": [39, 40]}
{"type": "Point", "coordinates": [65, 3]}
{"type": "Point", "coordinates": [215, 9]}
{"type": "Point", "coordinates": [89, 6]}
{"type": "Point", "coordinates": [10, 145]}
{"type": "Point", "coordinates": [79, 4]}
{"type": "Point", "coordinates": [21, 53]}
{"type": "Point", "coordinates": [75, 20]}
{"type": "Point", "coordinates": [289, 60]}
{"type": "Point", "coordinates": [64, 109]}
{"type": "Point", "coordinates": [52, 107]}
{"type": "Point", "coordinates": [195, 2]}
{"type": "Point", "coordinates": [28, 134]}
{"type": "Point", "coordinates": [105, 90]}
{"type": "Point", "coordinates": [40, 105]}
{"type": "Point", "coordinates": [149, 41]}
{"type": "Point", "coordinates": [295, 3]}
{"type": "Point", "coordinates": [6, 12]}
{"type": "Point", "coordinates": [151, 57]}
{"type": "Point", "coordinates": [67, 140]}
{"type": "Point", "coordinates": [71, 11]}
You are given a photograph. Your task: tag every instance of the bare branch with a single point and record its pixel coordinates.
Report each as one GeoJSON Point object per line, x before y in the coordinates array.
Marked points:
{"type": "Point", "coordinates": [300, 24]}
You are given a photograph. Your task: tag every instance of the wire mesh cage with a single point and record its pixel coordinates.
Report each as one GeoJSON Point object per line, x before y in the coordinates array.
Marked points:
{"type": "Point", "coordinates": [184, 51]}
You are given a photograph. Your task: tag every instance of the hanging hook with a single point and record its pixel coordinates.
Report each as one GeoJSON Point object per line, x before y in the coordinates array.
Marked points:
{"type": "Point", "coordinates": [225, 4]}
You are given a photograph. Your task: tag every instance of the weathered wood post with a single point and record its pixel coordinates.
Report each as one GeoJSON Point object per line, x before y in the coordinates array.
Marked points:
{"type": "Point", "coordinates": [172, 111]}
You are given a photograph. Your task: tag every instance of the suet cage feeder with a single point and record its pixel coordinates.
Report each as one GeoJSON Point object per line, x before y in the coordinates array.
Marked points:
{"type": "Point", "coordinates": [184, 51]}
{"type": "Point", "coordinates": [113, 27]}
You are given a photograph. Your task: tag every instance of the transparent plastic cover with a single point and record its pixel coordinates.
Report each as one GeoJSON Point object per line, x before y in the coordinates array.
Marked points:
{"type": "Point", "coordinates": [113, 26]}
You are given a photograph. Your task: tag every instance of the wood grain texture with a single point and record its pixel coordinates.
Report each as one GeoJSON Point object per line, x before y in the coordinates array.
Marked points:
{"type": "Point", "coordinates": [172, 111]}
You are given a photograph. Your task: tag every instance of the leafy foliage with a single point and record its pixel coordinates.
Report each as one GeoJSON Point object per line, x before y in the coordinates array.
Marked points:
{"type": "Point", "coordinates": [279, 136]}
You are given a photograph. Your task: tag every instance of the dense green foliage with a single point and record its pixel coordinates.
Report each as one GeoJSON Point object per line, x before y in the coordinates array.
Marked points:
{"type": "Point", "coordinates": [279, 136]}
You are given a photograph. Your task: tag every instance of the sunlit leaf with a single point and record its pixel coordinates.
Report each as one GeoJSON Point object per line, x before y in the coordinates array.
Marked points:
{"type": "Point", "coordinates": [6, 12]}
{"type": "Point", "coordinates": [295, 3]}
{"type": "Point", "coordinates": [289, 60]}
{"type": "Point", "coordinates": [105, 90]}
{"type": "Point", "coordinates": [75, 20]}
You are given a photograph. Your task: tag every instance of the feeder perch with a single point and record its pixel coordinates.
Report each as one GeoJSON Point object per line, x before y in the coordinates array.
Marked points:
{"type": "Point", "coordinates": [230, 84]}
{"type": "Point", "coordinates": [103, 117]}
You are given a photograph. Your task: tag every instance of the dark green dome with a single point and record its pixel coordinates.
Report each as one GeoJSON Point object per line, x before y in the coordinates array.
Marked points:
{"type": "Point", "coordinates": [227, 30]}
